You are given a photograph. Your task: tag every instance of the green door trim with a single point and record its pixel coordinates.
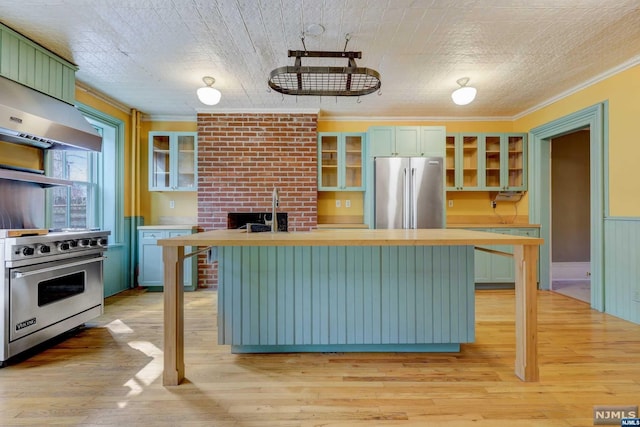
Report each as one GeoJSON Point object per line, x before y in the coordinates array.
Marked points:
{"type": "Point", "coordinates": [596, 118]}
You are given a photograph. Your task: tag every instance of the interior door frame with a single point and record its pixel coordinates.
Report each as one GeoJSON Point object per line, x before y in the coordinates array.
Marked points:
{"type": "Point", "coordinates": [596, 118]}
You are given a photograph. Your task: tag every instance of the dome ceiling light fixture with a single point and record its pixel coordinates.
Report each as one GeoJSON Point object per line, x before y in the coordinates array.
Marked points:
{"type": "Point", "coordinates": [207, 94]}
{"type": "Point", "coordinates": [350, 80]}
{"type": "Point", "coordinates": [464, 94]}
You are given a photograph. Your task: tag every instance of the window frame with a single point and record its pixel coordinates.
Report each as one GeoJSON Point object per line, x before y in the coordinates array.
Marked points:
{"type": "Point", "coordinates": [115, 181]}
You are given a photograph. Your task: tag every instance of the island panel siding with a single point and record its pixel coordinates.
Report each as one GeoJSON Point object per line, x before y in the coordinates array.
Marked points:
{"type": "Point", "coordinates": [338, 298]}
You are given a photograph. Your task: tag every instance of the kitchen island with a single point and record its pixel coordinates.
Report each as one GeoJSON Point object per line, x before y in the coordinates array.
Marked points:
{"type": "Point", "coordinates": [347, 290]}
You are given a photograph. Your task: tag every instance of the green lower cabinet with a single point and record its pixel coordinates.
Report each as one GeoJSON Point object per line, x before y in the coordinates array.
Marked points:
{"type": "Point", "coordinates": [336, 298]}
{"type": "Point", "coordinates": [491, 268]}
{"type": "Point", "coordinates": [150, 265]}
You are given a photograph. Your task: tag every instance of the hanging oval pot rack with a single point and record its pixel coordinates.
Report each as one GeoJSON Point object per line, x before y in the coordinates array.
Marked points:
{"type": "Point", "coordinates": [324, 81]}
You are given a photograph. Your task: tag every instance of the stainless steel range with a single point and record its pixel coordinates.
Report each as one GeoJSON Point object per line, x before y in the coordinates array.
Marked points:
{"type": "Point", "coordinates": [52, 283]}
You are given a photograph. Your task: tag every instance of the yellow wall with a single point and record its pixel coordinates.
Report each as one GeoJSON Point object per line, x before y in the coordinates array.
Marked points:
{"type": "Point", "coordinates": [622, 91]}
{"type": "Point", "coordinates": [155, 205]}
{"type": "Point", "coordinates": [469, 206]}
{"type": "Point", "coordinates": [325, 124]}
{"type": "Point", "coordinates": [329, 213]}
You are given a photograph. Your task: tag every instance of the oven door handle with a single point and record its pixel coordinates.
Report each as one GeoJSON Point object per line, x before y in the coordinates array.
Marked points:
{"type": "Point", "coordinates": [20, 274]}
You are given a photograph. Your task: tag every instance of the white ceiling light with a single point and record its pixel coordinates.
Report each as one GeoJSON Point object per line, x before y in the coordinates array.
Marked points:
{"type": "Point", "coordinates": [207, 94]}
{"type": "Point", "coordinates": [464, 94]}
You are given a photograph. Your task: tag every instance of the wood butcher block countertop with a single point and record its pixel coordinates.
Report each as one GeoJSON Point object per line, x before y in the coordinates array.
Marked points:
{"type": "Point", "coordinates": [350, 237]}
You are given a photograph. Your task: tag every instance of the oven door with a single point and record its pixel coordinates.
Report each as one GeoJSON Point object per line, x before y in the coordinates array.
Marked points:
{"type": "Point", "coordinates": [43, 294]}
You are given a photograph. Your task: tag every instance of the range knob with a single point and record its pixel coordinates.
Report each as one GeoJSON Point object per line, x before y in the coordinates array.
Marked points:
{"type": "Point", "coordinates": [63, 246]}
{"type": "Point", "coordinates": [27, 251]}
{"type": "Point", "coordinates": [93, 243]}
{"type": "Point", "coordinates": [102, 242]}
{"type": "Point", "coordinates": [44, 249]}
{"type": "Point", "coordinates": [73, 244]}
{"type": "Point", "coordinates": [83, 243]}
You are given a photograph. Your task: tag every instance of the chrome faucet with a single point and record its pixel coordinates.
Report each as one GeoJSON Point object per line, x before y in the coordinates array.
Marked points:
{"type": "Point", "coordinates": [275, 201]}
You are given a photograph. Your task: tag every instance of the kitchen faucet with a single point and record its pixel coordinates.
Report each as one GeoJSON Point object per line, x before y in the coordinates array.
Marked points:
{"type": "Point", "coordinates": [275, 201]}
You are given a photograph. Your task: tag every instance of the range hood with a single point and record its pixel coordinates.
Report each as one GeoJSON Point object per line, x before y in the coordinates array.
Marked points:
{"type": "Point", "coordinates": [33, 118]}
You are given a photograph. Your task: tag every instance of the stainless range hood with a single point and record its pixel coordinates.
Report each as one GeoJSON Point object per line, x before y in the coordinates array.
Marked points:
{"type": "Point", "coordinates": [33, 118]}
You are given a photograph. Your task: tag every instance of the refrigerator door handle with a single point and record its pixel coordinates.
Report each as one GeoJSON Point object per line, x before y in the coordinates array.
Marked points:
{"type": "Point", "coordinates": [406, 197]}
{"type": "Point", "coordinates": [414, 202]}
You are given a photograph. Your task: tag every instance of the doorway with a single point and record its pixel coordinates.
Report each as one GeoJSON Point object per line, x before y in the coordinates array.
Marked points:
{"type": "Point", "coordinates": [594, 118]}
{"type": "Point", "coordinates": [570, 215]}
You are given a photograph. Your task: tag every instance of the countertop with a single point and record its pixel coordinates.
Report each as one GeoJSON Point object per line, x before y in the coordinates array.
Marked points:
{"type": "Point", "coordinates": [168, 227]}
{"type": "Point", "coordinates": [349, 237]}
{"type": "Point", "coordinates": [462, 225]}
{"type": "Point", "coordinates": [341, 226]}
{"type": "Point", "coordinates": [493, 225]}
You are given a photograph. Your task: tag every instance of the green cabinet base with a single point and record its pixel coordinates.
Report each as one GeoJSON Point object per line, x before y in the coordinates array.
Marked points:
{"type": "Point", "coordinates": [150, 265]}
{"type": "Point", "coordinates": [348, 348]}
{"type": "Point", "coordinates": [337, 298]}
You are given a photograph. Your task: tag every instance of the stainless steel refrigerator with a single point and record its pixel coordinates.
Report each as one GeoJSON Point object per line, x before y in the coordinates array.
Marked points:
{"type": "Point", "coordinates": [409, 192]}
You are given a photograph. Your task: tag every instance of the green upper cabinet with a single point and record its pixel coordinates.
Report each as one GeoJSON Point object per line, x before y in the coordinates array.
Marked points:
{"type": "Point", "coordinates": [486, 162]}
{"type": "Point", "coordinates": [382, 141]}
{"type": "Point", "coordinates": [505, 162]}
{"type": "Point", "coordinates": [27, 63]}
{"type": "Point", "coordinates": [406, 141]}
{"type": "Point", "coordinates": [432, 141]}
{"type": "Point", "coordinates": [463, 162]}
{"type": "Point", "coordinates": [172, 161]}
{"type": "Point", "coordinates": [514, 166]}
{"type": "Point", "coordinates": [340, 161]}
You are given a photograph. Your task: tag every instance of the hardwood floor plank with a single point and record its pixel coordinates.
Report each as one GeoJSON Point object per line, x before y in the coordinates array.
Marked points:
{"type": "Point", "coordinates": [109, 374]}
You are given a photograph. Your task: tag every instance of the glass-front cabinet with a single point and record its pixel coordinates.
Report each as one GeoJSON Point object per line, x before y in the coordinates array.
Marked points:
{"type": "Point", "coordinates": [463, 162]}
{"type": "Point", "coordinates": [172, 161]}
{"type": "Point", "coordinates": [340, 161]}
{"type": "Point", "coordinates": [492, 161]}
{"type": "Point", "coordinates": [486, 162]}
{"type": "Point", "coordinates": [516, 157]}
{"type": "Point", "coordinates": [504, 165]}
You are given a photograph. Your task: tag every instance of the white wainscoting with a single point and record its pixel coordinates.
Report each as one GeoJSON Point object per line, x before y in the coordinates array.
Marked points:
{"type": "Point", "coordinates": [570, 270]}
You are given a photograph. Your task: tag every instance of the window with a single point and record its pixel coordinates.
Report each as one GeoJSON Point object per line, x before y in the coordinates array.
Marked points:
{"type": "Point", "coordinates": [95, 199]}
{"type": "Point", "coordinates": [75, 206]}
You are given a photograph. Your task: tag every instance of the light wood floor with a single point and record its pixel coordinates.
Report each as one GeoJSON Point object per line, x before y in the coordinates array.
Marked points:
{"type": "Point", "coordinates": [110, 374]}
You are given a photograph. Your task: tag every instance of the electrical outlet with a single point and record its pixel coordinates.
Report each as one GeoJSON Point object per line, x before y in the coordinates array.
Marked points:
{"type": "Point", "coordinates": [338, 204]}
{"type": "Point", "coordinates": [172, 204]}
{"type": "Point", "coordinates": [493, 204]}
{"type": "Point", "coordinates": [347, 203]}
{"type": "Point", "coordinates": [450, 203]}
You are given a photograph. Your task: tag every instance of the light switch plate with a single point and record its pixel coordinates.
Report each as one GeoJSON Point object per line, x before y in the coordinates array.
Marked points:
{"type": "Point", "coordinates": [338, 204]}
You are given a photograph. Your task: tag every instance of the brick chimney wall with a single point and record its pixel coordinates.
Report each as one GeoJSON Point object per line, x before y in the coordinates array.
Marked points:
{"type": "Point", "coordinates": [242, 157]}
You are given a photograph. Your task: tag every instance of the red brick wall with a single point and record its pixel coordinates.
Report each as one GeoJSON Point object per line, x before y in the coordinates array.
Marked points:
{"type": "Point", "coordinates": [242, 157]}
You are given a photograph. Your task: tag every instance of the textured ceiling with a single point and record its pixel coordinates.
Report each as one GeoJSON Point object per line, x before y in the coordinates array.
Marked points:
{"type": "Point", "coordinates": [152, 54]}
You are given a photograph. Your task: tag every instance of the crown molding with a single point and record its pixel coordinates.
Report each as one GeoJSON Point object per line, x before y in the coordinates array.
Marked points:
{"type": "Point", "coordinates": [102, 97]}
{"type": "Point", "coordinates": [411, 119]}
{"type": "Point", "coordinates": [168, 118]}
{"type": "Point", "coordinates": [597, 79]}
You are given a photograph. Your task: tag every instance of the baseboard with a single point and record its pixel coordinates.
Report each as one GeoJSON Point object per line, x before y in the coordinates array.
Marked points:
{"type": "Point", "coordinates": [570, 270]}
